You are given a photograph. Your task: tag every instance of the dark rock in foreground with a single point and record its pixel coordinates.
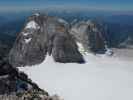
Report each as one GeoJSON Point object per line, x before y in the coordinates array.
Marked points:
{"type": "Point", "coordinates": [15, 85]}
{"type": "Point", "coordinates": [12, 80]}
{"type": "Point", "coordinates": [29, 95]}
{"type": "Point", "coordinates": [41, 35]}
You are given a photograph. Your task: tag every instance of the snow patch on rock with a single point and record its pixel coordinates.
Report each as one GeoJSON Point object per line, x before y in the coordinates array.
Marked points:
{"type": "Point", "coordinates": [25, 34]}
{"type": "Point", "coordinates": [109, 52]}
{"type": "Point", "coordinates": [32, 25]}
{"type": "Point", "coordinates": [27, 40]}
{"type": "Point", "coordinates": [81, 49]}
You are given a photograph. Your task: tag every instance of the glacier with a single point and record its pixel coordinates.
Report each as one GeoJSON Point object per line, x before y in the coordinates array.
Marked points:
{"type": "Point", "coordinates": [101, 78]}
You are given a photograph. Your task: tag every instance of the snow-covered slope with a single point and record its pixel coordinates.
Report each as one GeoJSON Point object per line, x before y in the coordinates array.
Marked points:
{"type": "Point", "coordinates": [101, 78]}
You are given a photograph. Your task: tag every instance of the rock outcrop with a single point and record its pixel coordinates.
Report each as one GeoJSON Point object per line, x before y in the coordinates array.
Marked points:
{"type": "Point", "coordinates": [30, 45]}
{"type": "Point", "coordinates": [15, 85]}
{"type": "Point", "coordinates": [41, 35]}
{"type": "Point", "coordinates": [12, 80]}
{"type": "Point", "coordinates": [91, 35]}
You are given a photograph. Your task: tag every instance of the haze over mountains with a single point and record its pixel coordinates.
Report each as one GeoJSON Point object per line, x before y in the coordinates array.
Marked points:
{"type": "Point", "coordinates": [84, 40]}
{"type": "Point", "coordinates": [119, 25]}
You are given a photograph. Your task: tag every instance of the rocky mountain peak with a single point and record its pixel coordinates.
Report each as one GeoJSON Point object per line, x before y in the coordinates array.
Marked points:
{"type": "Point", "coordinates": [90, 34]}
{"type": "Point", "coordinates": [44, 35]}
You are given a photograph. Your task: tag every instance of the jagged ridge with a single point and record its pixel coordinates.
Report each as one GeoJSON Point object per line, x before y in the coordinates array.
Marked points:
{"type": "Point", "coordinates": [41, 35]}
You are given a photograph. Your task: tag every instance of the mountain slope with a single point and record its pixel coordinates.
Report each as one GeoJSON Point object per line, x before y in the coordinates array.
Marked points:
{"type": "Point", "coordinates": [91, 34]}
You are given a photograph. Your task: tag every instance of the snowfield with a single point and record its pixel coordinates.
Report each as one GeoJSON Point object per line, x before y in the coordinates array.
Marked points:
{"type": "Point", "coordinates": [101, 78]}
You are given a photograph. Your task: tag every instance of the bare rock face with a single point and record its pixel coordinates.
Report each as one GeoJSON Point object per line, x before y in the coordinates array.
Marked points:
{"type": "Point", "coordinates": [90, 34]}
{"type": "Point", "coordinates": [41, 35]}
{"type": "Point", "coordinates": [30, 45]}
{"type": "Point", "coordinates": [62, 45]}
{"type": "Point", "coordinates": [65, 49]}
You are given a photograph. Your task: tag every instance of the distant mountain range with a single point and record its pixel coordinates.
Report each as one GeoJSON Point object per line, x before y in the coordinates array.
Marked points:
{"type": "Point", "coordinates": [65, 41]}
{"type": "Point", "coordinates": [120, 26]}
{"type": "Point", "coordinates": [66, 37]}
{"type": "Point", "coordinates": [6, 43]}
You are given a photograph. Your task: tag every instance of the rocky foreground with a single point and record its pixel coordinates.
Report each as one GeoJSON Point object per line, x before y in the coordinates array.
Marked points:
{"type": "Point", "coordinates": [15, 85]}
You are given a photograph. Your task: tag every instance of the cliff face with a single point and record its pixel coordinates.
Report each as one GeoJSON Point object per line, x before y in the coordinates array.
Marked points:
{"type": "Point", "coordinates": [29, 45]}
{"type": "Point", "coordinates": [41, 35]}
{"type": "Point", "coordinates": [90, 34]}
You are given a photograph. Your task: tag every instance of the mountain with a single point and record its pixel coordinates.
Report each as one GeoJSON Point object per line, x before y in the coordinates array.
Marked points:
{"type": "Point", "coordinates": [66, 41]}
{"type": "Point", "coordinates": [48, 40]}
{"type": "Point", "coordinates": [11, 23]}
{"type": "Point", "coordinates": [119, 25]}
{"type": "Point", "coordinates": [44, 35]}
{"type": "Point", "coordinates": [128, 43]}
{"type": "Point", "coordinates": [6, 43]}
{"type": "Point", "coordinates": [90, 34]}
{"type": "Point", "coordinates": [7, 39]}
{"type": "Point", "coordinates": [11, 27]}
{"type": "Point", "coordinates": [118, 33]}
